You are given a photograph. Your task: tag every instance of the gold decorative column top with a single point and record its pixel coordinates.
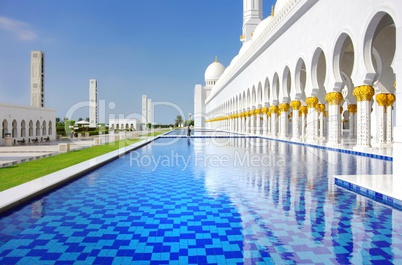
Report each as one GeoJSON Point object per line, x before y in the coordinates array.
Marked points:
{"type": "Point", "coordinates": [322, 107]}
{"type": "Point", "coordinates": [381, 99]}
{"type": "Point", "coordinates": [284, 107]}
{"type": "Point", "coordinates": [363, 93]}
{"type": "Point", "coordinates": [264, 110]}
{"type": "Point", "coordinates": [295, 104]}
{"type": "Point", "coordinates": [303, 109]}
{"type": "Point", "coordinates": [334, 98]}
{"type": "Point", "coordinates": [311, 102]}
{"type": "Point", "coordinates": [352, 108]}
{"type": "Point", "coordinates": [273, 109]}
{"type": "Point", "coordinates": [390, 99]}
{"type": "Point", "coordinates": [257, 112]}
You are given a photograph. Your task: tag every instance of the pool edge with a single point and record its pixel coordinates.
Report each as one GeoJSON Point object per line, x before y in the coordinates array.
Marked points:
{"type": "Point", "coordinates": [18, 195]}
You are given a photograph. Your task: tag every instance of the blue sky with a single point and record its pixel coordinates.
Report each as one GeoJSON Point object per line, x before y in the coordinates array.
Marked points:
{"type": "Point", "coordinates": [159, 48]}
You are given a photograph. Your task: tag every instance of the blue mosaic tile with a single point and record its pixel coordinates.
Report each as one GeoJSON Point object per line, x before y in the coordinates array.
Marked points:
{"type": "Point", "coordinates": [206, 213]}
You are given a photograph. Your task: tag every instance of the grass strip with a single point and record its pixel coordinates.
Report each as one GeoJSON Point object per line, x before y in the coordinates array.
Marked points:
{"type": "Point", "coordinates": [18, 174]}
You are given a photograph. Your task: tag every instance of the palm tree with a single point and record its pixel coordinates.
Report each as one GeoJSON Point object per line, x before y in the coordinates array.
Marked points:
{"type": "Point", "coordinates": [178, 121]}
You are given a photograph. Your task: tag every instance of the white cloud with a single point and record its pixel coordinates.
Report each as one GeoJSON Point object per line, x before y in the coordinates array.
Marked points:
{"type": "Point", "coordinates": [19, 28]}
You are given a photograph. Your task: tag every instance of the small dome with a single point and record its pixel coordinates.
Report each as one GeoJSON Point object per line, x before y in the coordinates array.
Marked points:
{"type": "Point", "coordinates": [261, 26]}
{"type": "Point", "coordinates": [213, 72]}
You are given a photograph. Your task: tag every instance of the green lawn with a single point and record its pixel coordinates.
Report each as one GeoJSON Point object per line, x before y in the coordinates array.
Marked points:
{"type": "Point", "coordinates": [24, 172]}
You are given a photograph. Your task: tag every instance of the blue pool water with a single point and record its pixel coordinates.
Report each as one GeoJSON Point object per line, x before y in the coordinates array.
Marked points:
{"type": "Point", "coordinates": [209, 201]}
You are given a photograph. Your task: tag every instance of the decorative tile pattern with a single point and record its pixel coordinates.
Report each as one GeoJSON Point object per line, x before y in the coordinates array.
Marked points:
{"type": "Point", "coordinates": [242, 203]}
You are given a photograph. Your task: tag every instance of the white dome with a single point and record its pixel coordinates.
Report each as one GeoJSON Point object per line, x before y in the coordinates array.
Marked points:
{"type": "Point", "coordinates": [214, 71]}
{"type": "Point", "coordinates": [261, 26]}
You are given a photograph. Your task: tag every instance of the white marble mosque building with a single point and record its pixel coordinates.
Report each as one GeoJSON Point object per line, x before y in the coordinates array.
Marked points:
{"type": "Point", "coordinates": [314, 71]}
{"type": "Point", "coordinates": [29, 124]}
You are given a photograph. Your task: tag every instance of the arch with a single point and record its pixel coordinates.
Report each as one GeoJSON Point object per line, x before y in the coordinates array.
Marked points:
{"type": "Point", "coordinates": [266, 95]}
{"type": "Point", "coordinates": [343, 61]}
{"type": "Point", "coordinates": [275, 89]}
{"type": "Point", "coordinates": [14, 130]}
{"type": "Point", "coordinates": [50, 129]}
{"type": "Point", "coordinates": [286, 85]}
{"type": "Point", "coordinates": [44, 131]}
{"type": "Point", "coordinates": [4, 128]}
{"type": "Point", "coordinates": [248, 98]}
{"type": "Point", "coordinates": [379, 51]}
{"type": "Point", "coordinates": [37, 128]}
{"type": "Point", "coordinates": [300, 79]}
{"type": "Point", "coordinates": [23, 129]}
{"type": "Point", "coordinates": [259, 94]}
{"type": "Point", "coordinates": [30, 129]}
{"type": "Point", "coordinates": [318, 69]}
{"type": "Point", "coordinates": [253, 97]}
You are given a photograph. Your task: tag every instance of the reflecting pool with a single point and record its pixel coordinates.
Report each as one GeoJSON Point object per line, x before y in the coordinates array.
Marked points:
{"type": "Point", "coordinates": [209, 201]}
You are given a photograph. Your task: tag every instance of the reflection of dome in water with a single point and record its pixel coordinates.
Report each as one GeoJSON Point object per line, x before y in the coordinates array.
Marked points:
{"type": "Point", "coordinates": [213, 72]}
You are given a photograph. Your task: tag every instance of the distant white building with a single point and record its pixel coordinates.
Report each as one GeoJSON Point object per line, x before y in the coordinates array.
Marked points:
{"type": "Point", "coordinates": [93, 103]}
{"type": "Point", "coordinates": [29, 124]}
{"type": "Point", "coordinates": [125, 124]}
{"type": "Point", "coordinates": [37, 79]}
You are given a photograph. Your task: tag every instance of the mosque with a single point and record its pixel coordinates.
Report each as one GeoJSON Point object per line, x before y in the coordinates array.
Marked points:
{"type": "Point", "coordinates": [316, 71]}
{"type": "Point", "coordinates": [29, 124]}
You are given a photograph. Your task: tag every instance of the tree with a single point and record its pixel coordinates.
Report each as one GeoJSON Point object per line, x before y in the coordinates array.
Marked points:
{"type": "Point", "coordinates": [87, 119]}
{"type": "Point", "coordinates": [79, 119]}
{"type": "Point", "coordinates": [178, 121]}
{"type": "Point", "coordinates": [149, 125]}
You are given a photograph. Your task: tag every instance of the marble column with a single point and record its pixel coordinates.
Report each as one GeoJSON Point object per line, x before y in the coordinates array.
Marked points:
{"type": "Point", "coordinates": [334, 100]}
{"type": "Point", "coordinates": [364, 94]}
{"type": "Point", "coordinates": [304, 112]}
{"type": "Point", "coordinates": [352, 109]}
{"type": "Point", "coordinates": [257, 118]}
{"type": "Point", "coordinates": [321, 112]}
{"type": "Point", "coordinates": [295, 105]}
{"type": "Point", "coordinates": [312, 126]}
{"type": "Point", "coordinates": [274, 112]}
{"type": "Point", "coordinates": [264, 112]}
{"type": "Point", "coordinates": [390, 101]}
{"type": "Point", "coordinates": [284, 109]}
{"type": "Point", "coordinates": [381, 100]}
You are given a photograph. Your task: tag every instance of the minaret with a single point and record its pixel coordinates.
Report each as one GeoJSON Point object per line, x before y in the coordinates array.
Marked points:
{"type": "Point", "coordinates": [37, 79]}
{"type": "Point", "coordinates": [252, 16]}
{"type": "Point", "coordinates": [93, 103]}
{"type": "Point", "coordinates": [144, 110]}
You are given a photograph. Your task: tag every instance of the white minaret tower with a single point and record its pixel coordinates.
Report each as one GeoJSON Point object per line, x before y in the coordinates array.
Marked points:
{"type": "Point", "coordinates": [93, 103]}
{"type": "Point", "coordinates": [149, 110]}
{"type": "Point", "coordinates": [252, 16]}
{"type": "Point", "coordinates": [144, 110]}
{"type": "Point", "coordinates": [37, 79]}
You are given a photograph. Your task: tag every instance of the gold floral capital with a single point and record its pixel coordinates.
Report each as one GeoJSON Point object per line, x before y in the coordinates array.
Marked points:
{"type": "Point", "coordinates": [264, 110]}
{"type": "Point", "coordinates": [295, 104]}
{"type": "Point", "coordinates": [322, 107]}
{"type": "Point", "coordinates": [284, 107]}
{"type": "Point", "coordinates": [352, 108]}
{"type": "Point", "coordinates": [257, 112]}
{"type": "Point", "coordinates": [311, 102]}
{"type": "Point", "coordinates": [381, 99]}
{"type": "Point", "coordinates": [273, 109]}
{"type": "Point", "coordinates": [334, 98]}
{"type": "Point", "coordinates": [390, 99]}
{"type": "Point", "coordinates": [304, 110]}
{"type": "Point", "coordinates": [363, 93]}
